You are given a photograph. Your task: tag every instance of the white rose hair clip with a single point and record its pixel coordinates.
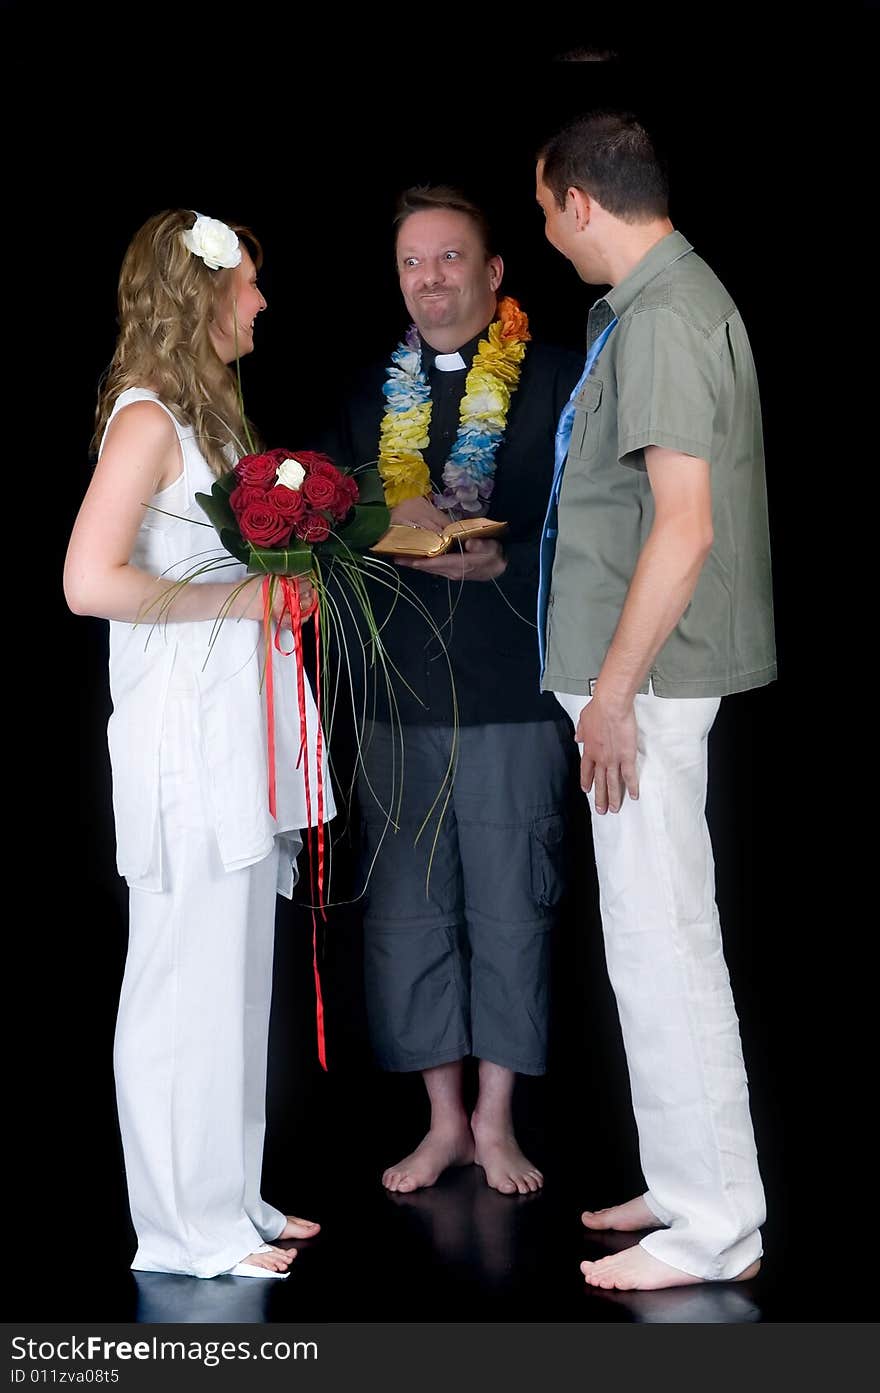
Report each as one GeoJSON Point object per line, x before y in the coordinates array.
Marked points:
{"type": "Point", "coordinates": [214, 242]}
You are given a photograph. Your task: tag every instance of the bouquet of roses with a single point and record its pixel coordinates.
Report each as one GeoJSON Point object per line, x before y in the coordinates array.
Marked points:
{"type": "Point", "coordinates": [282, 513]}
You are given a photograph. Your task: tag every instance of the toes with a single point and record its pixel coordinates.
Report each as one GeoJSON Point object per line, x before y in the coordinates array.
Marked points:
{"type": "Point", "coordinates": [301, 1228]}
{"type": "Point", "coordinates": [271, 1261]}
{"type": "Point", "coordinates": [506, 1186]}
{"type": "Point", "coordinates": [406, 1185]}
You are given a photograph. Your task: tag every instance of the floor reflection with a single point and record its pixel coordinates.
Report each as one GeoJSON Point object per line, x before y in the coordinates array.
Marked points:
{"type": "Point", "coordinates": [468, 1224]}
{"type": "Point", "coordinates": [713, 1303]}
{"type": "Point", "coordinates": [164, 1297]}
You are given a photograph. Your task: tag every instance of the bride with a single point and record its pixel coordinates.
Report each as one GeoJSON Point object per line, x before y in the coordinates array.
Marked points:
{"type": "Point", "coordinates": [201, 853]}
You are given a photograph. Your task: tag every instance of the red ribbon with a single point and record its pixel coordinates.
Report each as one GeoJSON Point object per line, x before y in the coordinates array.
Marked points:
{"type": "Point", "coordinates": [292, 609]}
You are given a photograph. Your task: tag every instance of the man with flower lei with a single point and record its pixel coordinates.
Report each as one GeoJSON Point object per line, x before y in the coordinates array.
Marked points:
{"type": "Point", "coordinates": [456, 961]}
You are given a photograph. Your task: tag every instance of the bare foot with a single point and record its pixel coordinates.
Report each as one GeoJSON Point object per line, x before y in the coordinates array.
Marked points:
{"type": "Point", "coordinates": [274, 1259]}
{"type": "Point", "coordinates": [637, 1270]}
{"type": "Point", "coordinates": [298, 1228]}
{"type": "Point", "coordinates": [507, 1169]}
{"type": "Point", "coordinates": [626, 1218]}
{"type": "Point", "coordinates": [440, 1149]}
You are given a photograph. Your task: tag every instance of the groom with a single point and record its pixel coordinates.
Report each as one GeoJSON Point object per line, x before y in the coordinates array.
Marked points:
{"type": "Point", "coordinates": [659, 606]}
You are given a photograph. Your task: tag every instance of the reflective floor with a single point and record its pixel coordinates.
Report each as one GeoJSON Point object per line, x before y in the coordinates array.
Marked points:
{"type": "Point", "coordinates": [458, 1251]}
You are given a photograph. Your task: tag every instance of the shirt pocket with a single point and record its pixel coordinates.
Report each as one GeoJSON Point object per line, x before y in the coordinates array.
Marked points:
{"type": "Point", "coordinates": [585, 430]}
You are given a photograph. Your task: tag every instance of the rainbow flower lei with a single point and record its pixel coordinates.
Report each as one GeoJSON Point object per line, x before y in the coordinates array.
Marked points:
{"type": "Point", "coordinates": [469, 473]}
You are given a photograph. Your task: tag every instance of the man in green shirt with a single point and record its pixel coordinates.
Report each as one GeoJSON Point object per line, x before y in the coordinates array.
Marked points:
{"type": "Point", "coordinates": [659, 604]}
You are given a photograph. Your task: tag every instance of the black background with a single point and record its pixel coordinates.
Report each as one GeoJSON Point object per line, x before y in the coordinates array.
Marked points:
{"type": "Point", "coordinates": [307, 138]}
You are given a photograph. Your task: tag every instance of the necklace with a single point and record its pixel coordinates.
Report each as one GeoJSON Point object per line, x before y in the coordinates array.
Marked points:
{"type": "Point", "coordinates": [469, 472]}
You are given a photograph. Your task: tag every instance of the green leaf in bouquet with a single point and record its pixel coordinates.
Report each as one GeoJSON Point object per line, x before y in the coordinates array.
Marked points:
{"type": "Point", "coordinates": [235, 545]}
{"type": "Point", "coordinates": [364, 527]}
{"type": "Point", "coordinates": [370, 487]}
{"type": "Point", "coordinates": [227, 483]}
{"type": "Point", "coordinates": [280, 561]}
{"type": "Point", "coordinates": [217, 506]}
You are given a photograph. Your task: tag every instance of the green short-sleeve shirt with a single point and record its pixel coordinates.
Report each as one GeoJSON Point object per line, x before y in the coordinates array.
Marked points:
{"type": "Point", "coordinates": [677, 371]}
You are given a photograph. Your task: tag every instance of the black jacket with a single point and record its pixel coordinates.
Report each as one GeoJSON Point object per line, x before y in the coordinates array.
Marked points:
{"type": "Point", "coordinates": [488, 628]}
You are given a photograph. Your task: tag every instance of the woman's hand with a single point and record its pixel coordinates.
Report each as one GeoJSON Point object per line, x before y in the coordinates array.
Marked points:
{"type": "Point", "coordinates": [251, 605]}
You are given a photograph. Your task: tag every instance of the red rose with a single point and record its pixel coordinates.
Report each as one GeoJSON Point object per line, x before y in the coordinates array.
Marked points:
{"type": "Point", "coordinates": [319, 489]}
{"type": "Point", "coordinates": [243, 495]}
{"type": "Point", "coordinates": [288, 502]}
{"type": "Point", "coordinates": [315, 463]}
{"type": "Point", "coordinates": [312, 527]}
{"type": "Point", "coordinates": [263, 525]}
{"type": "Point", "coordinates": [326, 468]}
{"type": "Point", "coordinates": [346, 493]}
{"type": "Point", "coordinates": [259, 470]}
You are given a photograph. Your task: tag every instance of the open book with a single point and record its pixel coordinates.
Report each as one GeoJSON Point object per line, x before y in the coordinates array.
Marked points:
{"type": "Point", "coordinates": [407, 539]}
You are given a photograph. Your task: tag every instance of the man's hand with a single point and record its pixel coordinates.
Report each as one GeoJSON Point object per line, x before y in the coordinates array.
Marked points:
{"type": "Point", "coordinates": [660, 591]}
{"type": "Point", "coordinates": [481, 559]}
{"type": "Point", "coordinates": [420, 512]}
{"type": "Point", "coordinates": [608, 764]}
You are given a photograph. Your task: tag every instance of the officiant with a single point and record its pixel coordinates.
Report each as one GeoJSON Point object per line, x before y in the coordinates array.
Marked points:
{"type": "Point", "coordinates": [461, 418]}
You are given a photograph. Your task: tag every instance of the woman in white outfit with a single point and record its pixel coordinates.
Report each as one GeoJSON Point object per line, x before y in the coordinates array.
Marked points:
{"type": "Point", "coordinates": [201, 853]}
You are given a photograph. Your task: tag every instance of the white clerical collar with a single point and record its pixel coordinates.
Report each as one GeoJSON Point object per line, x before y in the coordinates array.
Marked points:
{"type": "Point", "coordinates": [449, 362]}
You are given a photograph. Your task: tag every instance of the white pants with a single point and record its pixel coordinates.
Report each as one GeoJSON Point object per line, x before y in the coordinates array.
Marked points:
{"type": "Point", "coordinates": [680, 1031]}
{"type": "Point", "coordinates": [191, 1037]}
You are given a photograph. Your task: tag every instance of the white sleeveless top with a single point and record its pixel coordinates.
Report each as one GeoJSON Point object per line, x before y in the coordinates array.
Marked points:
{"type": "Point", "coordinates": [152, 663]}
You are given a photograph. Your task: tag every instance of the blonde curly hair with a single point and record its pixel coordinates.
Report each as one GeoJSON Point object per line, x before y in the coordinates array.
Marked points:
{"type": "Point", "coordinates": [167, 300]}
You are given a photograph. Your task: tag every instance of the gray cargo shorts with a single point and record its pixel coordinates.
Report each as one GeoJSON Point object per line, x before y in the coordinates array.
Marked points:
{"type": "Point", "coordinates": [458, 964]}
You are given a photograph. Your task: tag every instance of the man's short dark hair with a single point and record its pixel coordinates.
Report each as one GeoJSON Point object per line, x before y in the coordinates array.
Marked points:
{"type": "Point", "coordinates": [610, 156]}
{"type": "Point", "coordinates": [431, 197]}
